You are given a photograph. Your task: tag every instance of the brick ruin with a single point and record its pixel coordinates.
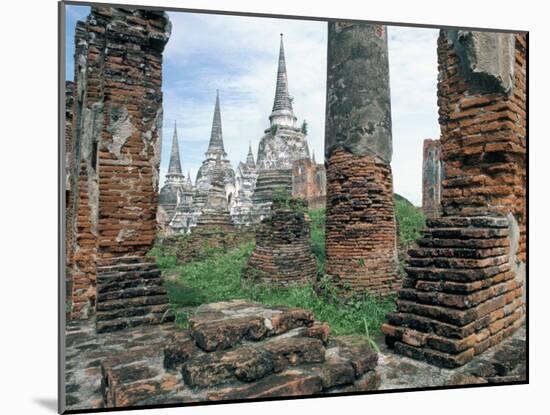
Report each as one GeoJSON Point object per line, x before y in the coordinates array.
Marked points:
{"type": "Point", "coordinates": [240, 350]}
{"type": "Point", "coordinates": [464, 290]}
{"type": "Point", "coordinates": [309, 182]}
{"type": "Point", "coordinates": [431, 178]}
{"type": "Point", "coordinates": [360, 222]}
{"type": "Point", "coordinates": [282, 255]}
{"type": "Point", "coordinates": [115, 162]}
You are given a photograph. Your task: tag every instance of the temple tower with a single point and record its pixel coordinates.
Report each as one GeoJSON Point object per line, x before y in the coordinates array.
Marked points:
{"type": "Point", "coordinates": [173, 185]}
{"type": "Point", "coordinates": [245, 181]}
{"type": "Point", "coordinates": [214, 152]}
{"type": "Point", "coordinates": [282, 144]}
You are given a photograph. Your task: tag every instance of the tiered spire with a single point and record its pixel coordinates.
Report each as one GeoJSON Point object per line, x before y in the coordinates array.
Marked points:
{"type": "Point", "coordinates": [174, 168]}
{"type": "Point", "coordinates": [216, 137]}
{"type": "Point", "coordinates": [282, 112]}
{"type": "Point", "coordinates": [313, 156]}
{"type": "Point", "coordinates": [250, 157]}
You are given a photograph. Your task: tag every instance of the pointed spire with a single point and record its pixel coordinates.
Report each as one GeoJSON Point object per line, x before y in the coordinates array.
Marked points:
{"type": "Point", "coordinates": [250, 156]}
{"type": "Point", "coordinates": [313, 156]}
{"type": "Point", "coordinates": [282, 104]}
{"type": "Point", "coordinates": [189, 182]}
{"type": "Point", "coordinates": [174, 168]}
{"type": "Point", "coordinates": [216, 138]}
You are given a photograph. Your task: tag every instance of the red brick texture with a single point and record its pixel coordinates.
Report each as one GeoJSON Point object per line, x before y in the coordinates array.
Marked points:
{"type": "Point", "coordinates": [483, 140]}
{"type": "Point", "coordinates": [360, 223]}
{"type": "Point", "coordinates": [464, 287]}
{"type": "Point", "coordinates": [117, 142]}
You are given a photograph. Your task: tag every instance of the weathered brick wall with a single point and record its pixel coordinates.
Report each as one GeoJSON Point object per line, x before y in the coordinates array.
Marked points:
{"type": "Point", "coordinates": [69, 201]}
{"type": "Point", "coordinates": [360, 222]}
{"type": "Point", "coordinates": [81, 222]}
{"type": "Point", "coordinates": [431, 178]}
{"type": "Point", "coordinates": [309, 182]}
{"type": "Point", "coordinates": [465, 281]}
{"type": "Point", "coordinates": [118, 116]}
{"type": "Point", "coordinates": [483, 136]}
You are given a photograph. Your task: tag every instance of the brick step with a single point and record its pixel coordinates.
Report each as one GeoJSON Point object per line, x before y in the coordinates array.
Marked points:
{"type": "Point", "coordinates": [461, 301]}
{"type": "Point", "coordinates": [124, 283]}
{"type": "Point", "coordinates": [465, 233]}
{"type": "Point", "coordinates": [455, 287]}
{"type": "Point", "coordinates": [242, 321]}
{"type": "Point", "coordinates": [126, 260]}
{"type": "Point", "coordinates": [431, 242]}
{"type": "Point", "coordinates": [131, 302]}
{"type": "Point", "coordinates": [137, 267]}
{"type": "Point", "coordinates": [131, 311]}
{"type": "Point", "coordinates": [471, 221]}
{"type": "Point", "coordinates": [455, 275]}
{"type": "Point", "coordinates": [132, 292]}
{"type": "Point", "coordinates": [457, 263]}
{"type": "Point", "coordinates": [123, 323]}
{"type": "Point", "coordinates": [462, 253]}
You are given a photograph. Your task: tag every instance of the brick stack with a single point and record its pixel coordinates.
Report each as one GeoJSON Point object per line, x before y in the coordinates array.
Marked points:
{"type": "Point", "coordinates": [282, 255]}
{"type": "Point", "coordinates": [70, 92]}
{"type": "Point", "coordinates": [460, 295]}
{"type": "Point", "coordinates": [483, 133]}
{"type": "Point", "coordinates": [117, 141]}
{"type": "Point", "coordinates": [464, 285]}
{"type": "Point", "coordinates": [129, 294]}
{"type": "Point", "coordinates": [431, 178]}
{"type": "Point", "coordinates": [360, 224]}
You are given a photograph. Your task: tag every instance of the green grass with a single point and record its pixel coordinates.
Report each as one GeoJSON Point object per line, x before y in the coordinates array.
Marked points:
{"type": "Point", "coordinates": [410, 218]}
{"type": "Point", "coordinates": [317, 217]}
{"type": "Point", "coordinates": [218, 278]}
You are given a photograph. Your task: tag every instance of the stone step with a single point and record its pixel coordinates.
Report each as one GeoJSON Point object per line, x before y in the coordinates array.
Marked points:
{"type": "Point", "coordinates": [126, 260]}
{"type": "Point", "coordinates": [145, 280]}
{"type": "Point", "coordinates": [470, 221]}
{"type": "Point", "coordinates": [131, 312]}
{"type": "Point", "coordinates": [126, 267]}
{"type": "Point", "coordinates": [131, 302]}
{"type": "Point", "coordinates": [128, 322]}
{"type": "Point", "coordinates": [131, 292]}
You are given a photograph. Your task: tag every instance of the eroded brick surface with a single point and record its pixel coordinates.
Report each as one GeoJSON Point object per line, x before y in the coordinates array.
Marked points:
{"type": "Point", "coordinates": [116, 152]}
{"type": "Point", "coordinates": [282, 255]}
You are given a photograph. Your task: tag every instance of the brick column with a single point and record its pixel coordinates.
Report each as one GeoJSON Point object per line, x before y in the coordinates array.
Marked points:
{"type": "Point", "coordinates": [360, 224]}
{"type": "Point", "coordinates": [464, 284]}
{"type": "Point", "coordinates": [119, 118]}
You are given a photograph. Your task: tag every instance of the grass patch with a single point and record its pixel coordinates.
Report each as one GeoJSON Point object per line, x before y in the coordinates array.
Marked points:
{"type": "Point", "coordinates": [317, 217]}
{"type": "Point", "coordinates": [411, 220]}
{"type": "Point", "coordinates": [219, 279]}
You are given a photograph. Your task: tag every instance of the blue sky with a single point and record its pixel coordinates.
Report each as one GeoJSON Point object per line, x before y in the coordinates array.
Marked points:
{"type": "Point", "coordinates": [238, 55]}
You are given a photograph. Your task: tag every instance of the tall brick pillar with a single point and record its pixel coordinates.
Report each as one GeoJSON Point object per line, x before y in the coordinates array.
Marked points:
{"type": "Point", "coordinates": [431, 178]}
{"type": "Point", "coordinates": [118, 137]}
{"type": "Point", "coordinates": [360, 223]}
{"type": "Point", "coordinates": [464, 284]}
